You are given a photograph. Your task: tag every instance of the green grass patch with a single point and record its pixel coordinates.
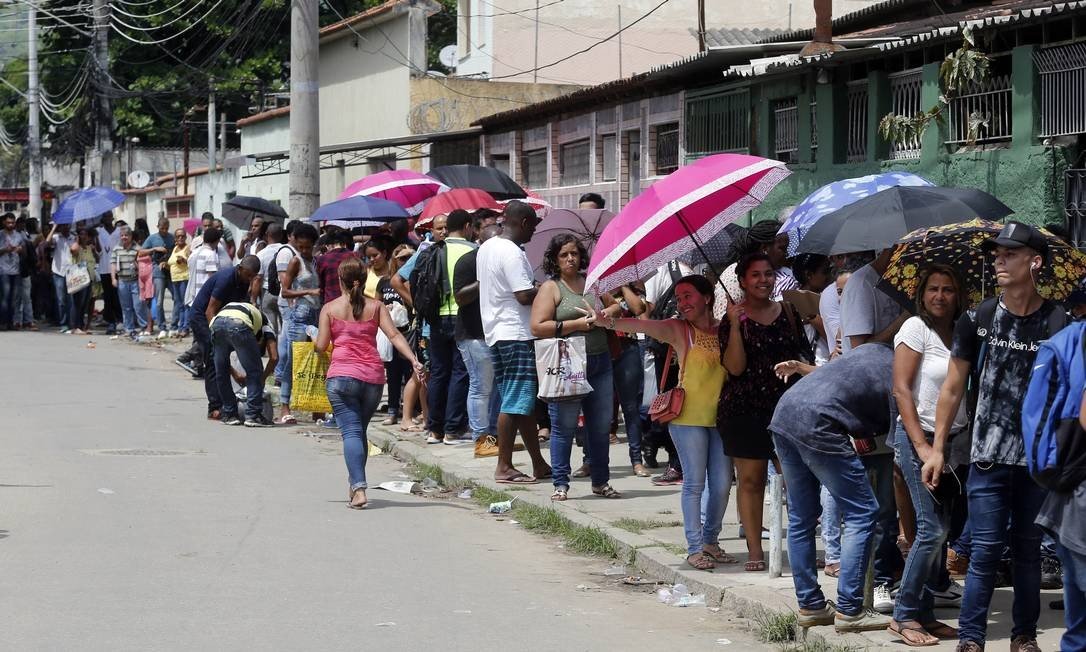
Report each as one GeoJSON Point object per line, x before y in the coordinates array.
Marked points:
{"type": "Point", "coordinates": [639, 525]}
{"type": "Point", "coordinates": [775, 627]}
{"type": "Point", "coordinates": [821, 645]}
{"type": "Point", "coordinates": [665, 511]}
{"type": "Point", "coordinates": [675, 549]}
{"type": "Point", "coordinates": [420, 471]}
{"type": "Point", "coordinates": [485, 495]}
{"type": "Point", "coordinates": [578, 538]}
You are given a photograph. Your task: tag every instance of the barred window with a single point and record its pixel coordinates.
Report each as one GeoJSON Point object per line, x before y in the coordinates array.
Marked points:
{"type": "Point", "coordinates": [667, 148]}
{"type": "Point", "coordinates": [574, 163]}
{"type": "Point", "coordinates": [535, 168]}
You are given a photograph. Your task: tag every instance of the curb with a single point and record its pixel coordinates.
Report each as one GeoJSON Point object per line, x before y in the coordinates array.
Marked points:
{"type": "Point", "coordinates": [636, 550]}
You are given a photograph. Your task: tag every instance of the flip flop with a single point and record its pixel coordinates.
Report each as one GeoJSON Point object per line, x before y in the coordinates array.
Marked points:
{"type": "Point", "coordinates": [287, 420]}
{"type": "Point", "coordinates": [519, 478]}
{"type": "Point", "coordinates": [720, 557]}
{"type": "Point", "coordinates": [940, 630]}
{"type": "Point", "coordinates": [897, 628]}
{"type": "Point", "coordinates": [755, 566]}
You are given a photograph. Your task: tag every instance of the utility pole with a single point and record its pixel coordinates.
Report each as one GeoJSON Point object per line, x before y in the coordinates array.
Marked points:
{"type": "Point", "coordinates": [535, 64]}
{"type": "Point", "coordinates": [185, 154]}
{"type": "Point", "coordinates": [222, 139]}
{"type": "Point", "coordinates": [33, 110]}
{"type": "Point", "coordinates": [211, 133]}
{"type": "Point", "coordinates": [304, 194]}
{"type": "Point", "coordinates": [620, 41]}
{"type": "Point", "coordinates": [104, 126]}
{"type": "Point", "coordinates": [701, 26]}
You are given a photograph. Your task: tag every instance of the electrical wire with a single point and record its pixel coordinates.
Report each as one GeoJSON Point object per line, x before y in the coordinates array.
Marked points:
{"type": "Point", "coordinates": [157, 13]}
{"type": "Point", "coordinates": [113, 24]}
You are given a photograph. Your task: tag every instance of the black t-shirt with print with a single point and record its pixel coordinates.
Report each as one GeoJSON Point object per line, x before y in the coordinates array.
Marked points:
{"type": "Point", "coordinates": [1012, 344]}
{"type": "Point", "coordinates": [469, 322]}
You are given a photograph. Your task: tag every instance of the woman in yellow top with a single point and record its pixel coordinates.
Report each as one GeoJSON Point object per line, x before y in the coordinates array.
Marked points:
{"type": "Point", "coordinates": [179, 277]}
{"type": "Point", "coordinates": [701, 451]}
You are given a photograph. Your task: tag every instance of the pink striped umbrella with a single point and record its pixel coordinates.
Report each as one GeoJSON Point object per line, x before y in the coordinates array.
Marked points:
{"type": "Point", "coordinates": [534, 200]}
{"type": "Point", "coordinates": [408, 189]}
{"type": "Point", "coordinates": [678, 213]}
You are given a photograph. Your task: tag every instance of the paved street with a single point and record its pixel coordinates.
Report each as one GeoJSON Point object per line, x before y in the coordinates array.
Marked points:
{"type": "Point", "coordinates": [127, 521]}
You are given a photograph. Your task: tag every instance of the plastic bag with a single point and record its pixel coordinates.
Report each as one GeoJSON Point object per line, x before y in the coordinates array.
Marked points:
{"type": "Point", "coordinates": [384, 346]}
{"type": "Point", "coordinates": [562, 367]}
{"type": "Point", "coordinates": [77, 277]}
{"type": "Point", "coordinates": [308, 375]}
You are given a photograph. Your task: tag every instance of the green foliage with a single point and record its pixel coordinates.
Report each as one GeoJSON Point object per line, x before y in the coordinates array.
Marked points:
{"type": "Point", "coordinates": [776, 626]}
{"type": "Point", "coordinates": [639, 525]}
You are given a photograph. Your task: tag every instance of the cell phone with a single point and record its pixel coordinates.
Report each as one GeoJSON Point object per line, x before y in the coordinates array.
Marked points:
{"type": "Point", "coordinates": [864, 446]}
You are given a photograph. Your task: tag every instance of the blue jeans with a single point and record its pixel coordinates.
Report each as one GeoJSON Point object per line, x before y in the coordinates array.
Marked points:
{"type": "Point", "coordinates": [233, 335]}
{"type": "Point", "coordinates": [1074, 599]}
{"type": "Point", "coordinates": [10, 284]}
{"type": "Point", "coordinates": [597, 406]}
{"type": "Point", "coordinates": [23, 309]}
{"type": "Point", "coordinates": [64, 300]}
{"type": "Point", "coordinates": [282, 345]}
{"type": "Point", "coordinates": [301, 315]}
{"type": "Point", "coordinates": [131, 306]}
{"type": "Point", "coordinates": [353, 404]}
{"type": "Point", "coordinates": [706, 469]}
{"type": "Point", "coordinates": [180, 310]}
{"type": "Point", "coordinates": [161, 285]}
{"type": "Point", "coordinates": [995, 494]}
{"type": "Point", "coordinates": [630, 385]}
{"type": "Point", "coordinates": [880, 474]}
{"type": "Point", "coordinates": [831, 527]}
{"type": "Point", "coordinates": [924, 566]}
{"type": "Point", "coordinates": [78, 316]}
{"type": "Point", "coordinates": [201, 333]}
{"type": "Point", "coordinates": [845, 478]}
{"type": "Point", "coordinates": [447, 391]}
{"type": "Point", "coordinates": [480, 366]}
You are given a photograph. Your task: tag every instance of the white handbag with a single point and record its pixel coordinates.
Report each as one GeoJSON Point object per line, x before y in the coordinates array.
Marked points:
{"type": "Point", "coordinates": [77, 277]}
{"type": "Point", "coordinates": [562, 368]}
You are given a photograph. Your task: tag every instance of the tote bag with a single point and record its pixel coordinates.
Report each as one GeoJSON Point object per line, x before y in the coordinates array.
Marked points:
{"type": "Point", "coordinates": [310, 370]}
{"type": "Point", "coordinates": [77, 277]}
{"type": "Point", "coordinates": [562, 368]}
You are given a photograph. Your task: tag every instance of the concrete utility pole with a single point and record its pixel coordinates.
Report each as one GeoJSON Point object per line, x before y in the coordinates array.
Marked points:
{"type": "Point", "coordinates": [222, 140]}
{"type": "Point", "coordinates": [701, 26]}
{"type": "Point", "coordinates": [620, 41]}
{"type": "Point", "coordinates": [304, 194]}
{"type": "Point", "coordinates": [104, 136]}
{"type": "Point", "coordinates": [33, 111]}
{"type": "Point", "coordinates": [211, 133]}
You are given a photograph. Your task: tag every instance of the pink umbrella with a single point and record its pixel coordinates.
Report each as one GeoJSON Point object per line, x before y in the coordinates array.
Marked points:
{"type": "Point", "coordinates": [534, 200]}
{"type": "Point", "coordinates": [468, 199]}
{"type": "Point", "coordinates": [408, 189]}
{"type": "Point", "coordinates": [678, 213]}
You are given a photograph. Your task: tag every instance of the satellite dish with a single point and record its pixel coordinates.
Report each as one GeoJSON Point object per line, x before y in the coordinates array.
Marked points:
{"type": "Point", "coordinates": [448, 57]}
{"type": "Point", "coordinates": [138, 179]}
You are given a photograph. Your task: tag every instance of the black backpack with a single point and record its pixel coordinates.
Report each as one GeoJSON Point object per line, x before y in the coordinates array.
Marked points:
{"type": "Point", "coordinates": [272, 272]}
{"type": "Point", "coordinates": [430, 283]}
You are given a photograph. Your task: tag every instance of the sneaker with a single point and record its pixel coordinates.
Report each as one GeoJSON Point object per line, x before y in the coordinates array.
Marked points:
{"type": "Point", "coordinates": [453, 439]}
{"type": "Point", "coordinates": [433, 439]}
{"type": "Point", "coordinates": [231, 420]}
{"type": "Point", "coordinates": [259, 421]}
{"type": "Point", "coordinates": [329, 423]}
{"type": "Point", "coordinates": [1051, 573]}
{"type": "Point", "coordinates": [1024, 644]}
{"type": "Point", "coordinates": [162, 335]}
{"type": "Point", "coordinates": [951, 596]}
{"type": "Point", "coordinates": [969, 646]}
{"type": "Point", "coordinates": [486, 446]}
{"type": "Point", "coordinates": [668, 477]}
{"type": "Point", "coordinates": [865, 621]}
{"type": "Point", "coordinates": [956, 565]}
{"type": "Point", "coordinates": [814, 617]}
{"type": "Point", "coordinates": [883, 603]}
{"type": "Point", "coordinates": [171, 333]}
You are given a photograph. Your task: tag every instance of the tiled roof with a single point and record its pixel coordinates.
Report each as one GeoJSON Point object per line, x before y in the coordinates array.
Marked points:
{"type": "Point", "coordinates": [725, 36]}
{"type": "Point", "coordinates": [265, 115]}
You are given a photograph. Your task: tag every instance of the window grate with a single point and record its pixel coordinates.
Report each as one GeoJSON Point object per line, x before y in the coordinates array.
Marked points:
{"type": "Point", "coordinates": [856, 136]}
{"type": "Point", "coordinates": [573, 163]}
{"type": "Point", "coordinates": [535, 168]}
{"type": "Point", "coordinates": [1062, 72]}
{"type": "Point", "coordinates": [990, 102]}
{"type": "Point", "coordinates": [814, 126]}
{"type": "Point", "coordinates": [905, 88]}
{"type": "Point", "coordinates": [667, 148]}
{"type": "Point", "coordinates": [1075, 208]}
{"type": "Point", "coordinates": [609, 153]}
{"type": "Point", "coordinates": [786, 130]}
{"type": "Point", "coordinates": [718, 123]}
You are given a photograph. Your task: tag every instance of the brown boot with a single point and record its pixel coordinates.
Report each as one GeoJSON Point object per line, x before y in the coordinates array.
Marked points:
{"type": "Point", "coordinates": [486, 446]}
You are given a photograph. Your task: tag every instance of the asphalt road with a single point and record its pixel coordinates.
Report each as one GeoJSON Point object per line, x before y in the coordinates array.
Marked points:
{"type": "Point", "coordinates": [128, 521]}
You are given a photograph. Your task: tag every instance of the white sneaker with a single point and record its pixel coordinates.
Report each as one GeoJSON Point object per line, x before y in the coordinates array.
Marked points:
{"type": "Point", "coordinates": [162, 335]}
{"type": "Point", "coordinates": [882, 602]}
{"type": "Point", "coordinates": [171, 334]}
{"type": "Point", "coordinates": [950, 597]}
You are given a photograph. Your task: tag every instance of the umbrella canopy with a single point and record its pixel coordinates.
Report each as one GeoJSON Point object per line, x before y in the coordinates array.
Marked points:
{"type": "Point", "coordinates": [359, 211]}
{"type": "Point", "coordinates": [678, 213]}
{"type": "Point", "coordinates": [492, 180]}
{"type": "Point", "coordinates": [839, 194]}
{"type": "Point", "coordinates": [719, 251]}
{"type": "Point", "coordinates": [880, 220]}
{"type": "Point", "coordinates": [468, 199]}
{"type": "Point", "coordinates": [959, 246]}
{"type": "Point", "coordinates": [405, 187]}
{"type": "Point", "coordinates": [87, 204]}
{"type": "Point", "coordinates": [242, 209]}
{"type": "Point", "coordinates": [535, 201]}
{"type": "Point", "coordinates": [585, 224]}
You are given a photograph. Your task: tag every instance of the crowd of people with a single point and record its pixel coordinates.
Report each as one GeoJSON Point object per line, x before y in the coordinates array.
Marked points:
{"type": "Point", "coordinates": [897, 430]}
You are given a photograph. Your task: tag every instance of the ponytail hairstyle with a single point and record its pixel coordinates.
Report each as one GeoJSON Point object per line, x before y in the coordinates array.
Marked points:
{"type": "Point", "coordinates": [352, 274]}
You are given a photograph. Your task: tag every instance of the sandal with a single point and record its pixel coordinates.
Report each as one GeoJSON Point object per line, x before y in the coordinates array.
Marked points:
{"type": "Point", "coordinates": [560, 494]}
{"type": "Point", "coordinates": [391, 421]}
{"type": "Point", "coordinates": [940, 630]}
{"type": "Point", "coordinates": [912, 635]}
{"type": "Point", "coordinates": [544, 434]}
{"type": "Point", "coordinates": [718, 555]}
{"type": "Point", "coordinates": [701, 561]}
{"type": "Point", "coordinates": [832, 569]}
{"type": "Point", "coordinates": [581, 472]}
{"type": "Point", "coordinates": [287, 420]}
{"type": "Point", "coordinates": [350, 499]}
{"type": "Point", "coordinates": [755, 566]}
{"type": "Point", "coordinates": [640, 471]}
{"type": "Point", "coordinates": [606, 491]}
{"type": "Point", "coordinates": [517, 478]}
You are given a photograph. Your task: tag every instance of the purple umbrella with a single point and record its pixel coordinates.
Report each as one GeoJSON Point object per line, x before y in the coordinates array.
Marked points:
{"type": "Point", "coordinates": [585, 224]}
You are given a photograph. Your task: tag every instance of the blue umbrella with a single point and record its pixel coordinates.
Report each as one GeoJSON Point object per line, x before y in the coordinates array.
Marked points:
{"type": "Point", "coordinates": [87, 204]}
{"type": "Point", "coordinates": [839, 194]}
{"type": "Point", "coordinates": [359, 211]}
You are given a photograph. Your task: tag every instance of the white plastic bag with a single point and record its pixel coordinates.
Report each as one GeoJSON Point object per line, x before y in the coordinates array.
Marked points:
{"type": "Point", "coordinates": [562, 367]}
{"type": "Point", "coordinates": [398, 312]}
{"type": "Point", "coordinates": [384, 346]}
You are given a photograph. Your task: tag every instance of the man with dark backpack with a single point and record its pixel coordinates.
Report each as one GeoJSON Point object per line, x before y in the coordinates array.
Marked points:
{"type": "Point", "coordinates": [998, 342]}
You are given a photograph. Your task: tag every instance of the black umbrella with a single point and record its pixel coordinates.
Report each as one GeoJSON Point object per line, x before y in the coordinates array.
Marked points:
{"type": "Point", "coordinates": [492, 180]}
{"type": "Point", "coordinates": [878, 221]}
{"type": "Point", "coordinates": [241, 210]}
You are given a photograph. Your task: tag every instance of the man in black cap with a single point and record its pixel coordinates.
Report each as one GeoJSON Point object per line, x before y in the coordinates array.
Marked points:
{"type": "Point", "coordinates": [998, 343]}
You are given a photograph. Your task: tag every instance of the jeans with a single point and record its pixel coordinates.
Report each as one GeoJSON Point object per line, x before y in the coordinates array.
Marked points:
{"type": "Point", "coordinates": [269, 305]}
{"type": "Point", "coordinates": [995, 493]}
{"type": "Point", "coordinates": [180, 310]}
{"type": "Point", "coordinates": [161, 285]}
{"type": "Point", "coordinates": [353, 404]}
{"type": "Point", "coordinates": [23, 309]}
{"type": "Point", "coordinates": [1074, 599]}
{"type": "Point", "coordinates": [64, 300]}
{"type": "Point", "coordinates": [447, 391]}
{"type": "Point", "coordinates": [300, 315]}
{"type": "Point", "coordinates": [131, 306]}
{"type": "Point", "coordinates": [846, 480]}
{"type": "Point", "coordinates": [925, 565]}
{"type": "Point", "coordinates": [201, 332]}
{"type": "Point", "coordinates": [880, 473]}
{"type": "Point", "coordinates": [706, 469]}
{"type": "Point", "coordinates": [831, 527]}
{"type": "Point", "coordinates": [596, 406]}
{"type": "Point", "coordinates": [233, 335]}
{"type": "Point", "coordinates": [282, 346]}
{"type": "Point", "coordinates": [630, 384]}
{"type": "Point", "coordinates": [77, 318]}
{"type": "Point", "coordinates": [10, 284]}
{"type": "Point", "coordinates": [480, 365]}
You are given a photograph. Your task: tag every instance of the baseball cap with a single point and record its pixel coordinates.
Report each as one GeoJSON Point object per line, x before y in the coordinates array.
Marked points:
{"type": "Point", "coordinates": [1015, 235]}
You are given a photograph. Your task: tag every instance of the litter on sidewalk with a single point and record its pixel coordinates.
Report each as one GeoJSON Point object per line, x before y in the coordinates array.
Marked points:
{"type": "Point", "coordinates": [679, 596]}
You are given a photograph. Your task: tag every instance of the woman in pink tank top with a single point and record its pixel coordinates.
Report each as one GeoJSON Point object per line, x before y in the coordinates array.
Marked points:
{"type": "Point", "coordinates": [356, 375]}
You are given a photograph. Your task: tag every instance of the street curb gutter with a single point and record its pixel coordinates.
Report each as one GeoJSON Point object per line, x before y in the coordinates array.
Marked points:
{"type": "Point", "coordinates": [639, 551]}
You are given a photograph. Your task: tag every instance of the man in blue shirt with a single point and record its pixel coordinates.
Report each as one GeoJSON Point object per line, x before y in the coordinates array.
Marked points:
{"type": "Point", "coordinates": [158, 246]}
{"type": "Point", "coordinates": [225, 286]}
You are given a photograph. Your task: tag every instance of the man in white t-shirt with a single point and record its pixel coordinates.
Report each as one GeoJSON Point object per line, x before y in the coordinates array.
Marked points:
{"type": "Point", "coordinates": [506, 291]}
{"type": "Point", "coordinates": [60, 240]}
{"type": "Point", "coordinates": [109, 236]}
{"type": "Point", "coordinates": [276, 239]}
{"type": "Point", "coordinates": [204, 261]}
{"type": "Point", "coordinates": [867, 313]}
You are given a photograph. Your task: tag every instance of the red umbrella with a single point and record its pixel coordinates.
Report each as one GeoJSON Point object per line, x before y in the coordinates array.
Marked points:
{"type": "Point", "coordinates": [468, 199]}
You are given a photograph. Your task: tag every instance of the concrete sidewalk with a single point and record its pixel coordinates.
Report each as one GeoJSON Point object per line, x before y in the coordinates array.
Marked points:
{"type": "Point", "coordinates": [659, 549]}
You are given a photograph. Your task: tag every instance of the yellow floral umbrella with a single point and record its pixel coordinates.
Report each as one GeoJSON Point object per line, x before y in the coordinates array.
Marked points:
{"type": "Point", "coordinates": [959, 246]}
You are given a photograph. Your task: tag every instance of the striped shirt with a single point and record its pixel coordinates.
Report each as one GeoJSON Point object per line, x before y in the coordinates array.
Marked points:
{"type": "Point", "coordinates": [124, 261]}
